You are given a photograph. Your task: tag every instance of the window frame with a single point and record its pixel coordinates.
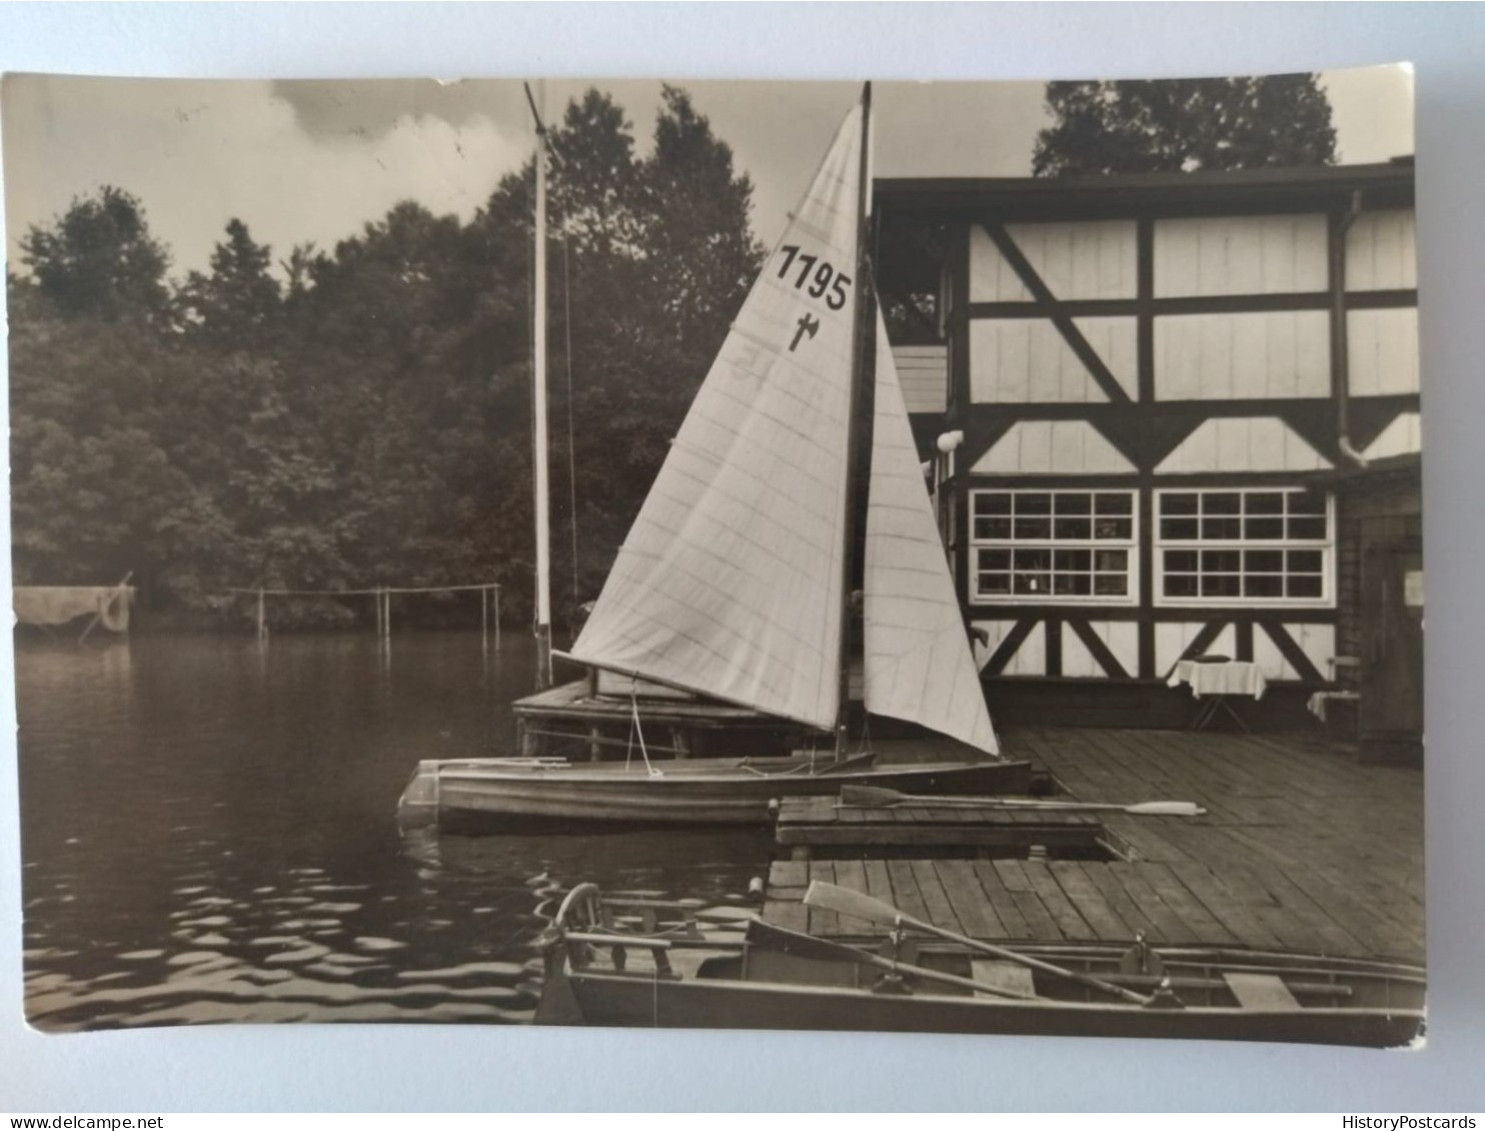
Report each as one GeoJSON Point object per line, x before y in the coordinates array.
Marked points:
{"type": "Point", "coordinates": [1131, 546]}
{"type": "Point", "coordinates": [1326, 547]}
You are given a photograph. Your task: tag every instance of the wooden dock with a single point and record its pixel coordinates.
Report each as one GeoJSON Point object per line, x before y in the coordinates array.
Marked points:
{"type": "Point", "coordinates": [820, 827]}
{"type": "Point", "coordinates": [1302, 849]}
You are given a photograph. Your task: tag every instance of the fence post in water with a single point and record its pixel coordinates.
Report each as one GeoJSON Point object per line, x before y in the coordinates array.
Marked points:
{"type": "Point", "coordinates": [497, 618]}
{"type": "Point", "coordinates": [485, 620]}
{"type": "Point", "coordinates": [262, 617]}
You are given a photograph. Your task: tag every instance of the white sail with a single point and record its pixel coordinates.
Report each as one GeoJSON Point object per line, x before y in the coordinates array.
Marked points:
{"type": "Point", "coordinates": [729, 583]}
{"type": "Point", "coordinates": [918, 662]}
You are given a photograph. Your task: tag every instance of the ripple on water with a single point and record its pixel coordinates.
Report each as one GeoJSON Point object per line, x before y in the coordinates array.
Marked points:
{"type": "Point", "coordinates": [309, 952]}
{"type": "Point", "coordinates": [192, 958]}
{"type": "Point", "coordinates": [467, 970]}
{"type": "Point", "coordinates": [297, 899]}
{"type": "Point", "coordinates": [366, 942]}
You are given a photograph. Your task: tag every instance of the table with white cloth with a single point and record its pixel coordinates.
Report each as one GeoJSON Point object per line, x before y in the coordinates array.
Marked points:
{"type": "Point", "coordinates": [1217, 683]}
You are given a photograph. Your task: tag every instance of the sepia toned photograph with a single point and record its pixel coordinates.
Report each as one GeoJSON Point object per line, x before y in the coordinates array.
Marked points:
{"type": "Point", "coordinates": [874, 556]}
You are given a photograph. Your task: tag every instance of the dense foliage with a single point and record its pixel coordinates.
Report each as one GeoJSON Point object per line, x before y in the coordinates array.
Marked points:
{"type": "Point", "coordinates": [362, 417]}
{"type": "Point", "coordinates": [1184, 125]}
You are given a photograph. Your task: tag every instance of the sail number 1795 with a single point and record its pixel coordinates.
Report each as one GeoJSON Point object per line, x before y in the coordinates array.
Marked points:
{"type": "Point", "coordinates": [820, 278]}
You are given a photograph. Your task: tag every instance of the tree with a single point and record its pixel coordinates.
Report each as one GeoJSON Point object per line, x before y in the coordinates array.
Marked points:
{"type": "Point", "coordinates": [699, 247]}
{"type": "Point", "coordinates": [99, 260]}
{"type": "Point", "coordinates": [370, 422]}
{"type": "Point", "coordinates": [1184, 125]}
{"type": "Point", "coordinates": [652, 258]}
{"type": "Point", "coordinates": [239, 303]}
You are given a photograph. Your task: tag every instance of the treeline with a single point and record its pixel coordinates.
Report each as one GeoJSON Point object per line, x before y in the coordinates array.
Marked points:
{"type": "Point", "coordinates": [363, 416]}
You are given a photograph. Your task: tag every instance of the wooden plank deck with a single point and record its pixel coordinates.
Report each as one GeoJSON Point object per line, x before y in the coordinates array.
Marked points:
{"type": "Point", "coordinates": [1302, 849]}
{"type": "Point", "coordinates": [807, 824]}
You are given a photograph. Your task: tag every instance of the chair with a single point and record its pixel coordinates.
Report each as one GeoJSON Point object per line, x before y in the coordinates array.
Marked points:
{"type": "Point", "coordinates": [1321, 703]}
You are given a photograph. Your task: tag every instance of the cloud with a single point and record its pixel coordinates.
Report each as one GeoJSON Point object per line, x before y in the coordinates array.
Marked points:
{"type": "Point", "coordinates": [329, 109]}
{"type": "Point", "coordinates": [316, 160]}
{"type": "Point", "coordinates": [199, 153]}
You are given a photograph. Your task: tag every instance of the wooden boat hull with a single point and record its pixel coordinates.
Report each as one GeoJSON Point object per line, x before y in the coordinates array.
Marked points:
{"type": "Point", "coordinates": [701, 1003]}
{"type": "Point", "coordinates": [681, 792]}
{"type": "Point", "coordinates": [617, 960]}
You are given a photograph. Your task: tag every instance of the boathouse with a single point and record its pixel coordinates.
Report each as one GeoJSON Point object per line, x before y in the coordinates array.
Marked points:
{"type": "Point", "coordinates": [1172, 416]}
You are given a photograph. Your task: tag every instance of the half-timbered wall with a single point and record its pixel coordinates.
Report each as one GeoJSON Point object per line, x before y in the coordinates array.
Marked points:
{"type": "Point", "coordinates": [1189, 364]}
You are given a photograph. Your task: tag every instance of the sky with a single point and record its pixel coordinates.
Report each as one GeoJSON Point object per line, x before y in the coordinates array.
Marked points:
{"type": "Point", "coordinates": [313, 161]}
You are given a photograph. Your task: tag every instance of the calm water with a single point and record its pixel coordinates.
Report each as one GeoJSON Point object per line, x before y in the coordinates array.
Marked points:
{"type": "Point", "coordinates": [208, 835]}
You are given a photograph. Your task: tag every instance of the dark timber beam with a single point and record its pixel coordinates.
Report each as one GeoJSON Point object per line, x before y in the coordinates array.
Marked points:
{"type": "Point", "coordinates": [1048, 306]}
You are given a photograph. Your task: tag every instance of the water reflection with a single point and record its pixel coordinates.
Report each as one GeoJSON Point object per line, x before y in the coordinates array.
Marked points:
{"type": "Point", "coordinates": [208, 835]}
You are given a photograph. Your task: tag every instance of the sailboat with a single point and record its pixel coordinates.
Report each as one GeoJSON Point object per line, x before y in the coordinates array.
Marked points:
{"type": "Point", "coordinates": [729, 607]}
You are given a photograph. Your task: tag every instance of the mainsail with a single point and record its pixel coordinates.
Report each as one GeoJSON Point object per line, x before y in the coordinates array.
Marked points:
{"type": "Point", "coordinates": [729, 583]}
{"type": "Point", "coordinates": [918, 663]}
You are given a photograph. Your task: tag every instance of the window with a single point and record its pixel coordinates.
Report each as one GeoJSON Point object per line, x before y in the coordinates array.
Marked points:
{"type": "Point", "coordinates": [1056, 546]}
{"type": "Point", "coordinates": [1245, 546]}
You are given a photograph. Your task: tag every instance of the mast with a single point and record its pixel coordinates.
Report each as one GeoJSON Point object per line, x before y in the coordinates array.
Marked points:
{"type": "Point", "coordinates": [543, 627]}
{"type": "Point", "coordinates": [860, 382]}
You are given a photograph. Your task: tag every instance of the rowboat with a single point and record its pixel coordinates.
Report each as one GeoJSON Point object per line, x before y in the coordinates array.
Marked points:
{"type": "Point", "coordinates": [739, 585]}
{"type": "Point", "coordinates": [489, 794]}
{"type": "Point", "coordinates": [679, 971]}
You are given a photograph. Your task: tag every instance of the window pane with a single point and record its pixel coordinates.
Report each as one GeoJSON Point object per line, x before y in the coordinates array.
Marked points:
{"type": "Point", "coordinates": [1177, 529]}
{"type": "Point", "coordinates": [1223, 528]}
{"type": "Point", "coordinates": [1263, 528]}
{"type": "Point", "coordinates": [1073, 528]}
{"type": "Point", "coordinates": [1071, 584]}
{"type": "Point", "coordinates": [1220, 574]}
{"type": "Point", "coordinates": [1039, 528]}
{"type": "Point", "coordinates": [1263, 585]}
{"type": "Point", "coordinates": [1034, 559]}
{"type": "Point", "coordinates": [1306, 502]}
{"type": "Point", "coordinates": [1304, 586]}
{"type": "Point", "coordinates": [1031, 584]}
{"type": "Point", "coordinates": [1180, 585]}
{"type": "Point", "coordinates": [995, 584]}
{"type": "Point", "coordinates": [1221, 561]}
{"type": "Point", "coordinates": [1048, 539]}
{"type": "Point", "coordinates": [992, 528]}
{"type": "Point", "coordinates": [1310, 528]}
{"type": "Point", "coordinates": [1219, 585]}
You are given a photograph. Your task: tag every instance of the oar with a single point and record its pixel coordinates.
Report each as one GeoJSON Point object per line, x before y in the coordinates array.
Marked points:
{"type": "Point", "coordinates": [823, 950]}
{"type": "Point", "coordinates": [843, 901]}
{"type": "Point", "coordinates": [879, 797]}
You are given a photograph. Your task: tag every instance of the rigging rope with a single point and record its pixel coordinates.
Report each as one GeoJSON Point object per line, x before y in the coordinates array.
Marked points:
{"type": "Point", "coordinates": [639, 730]}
